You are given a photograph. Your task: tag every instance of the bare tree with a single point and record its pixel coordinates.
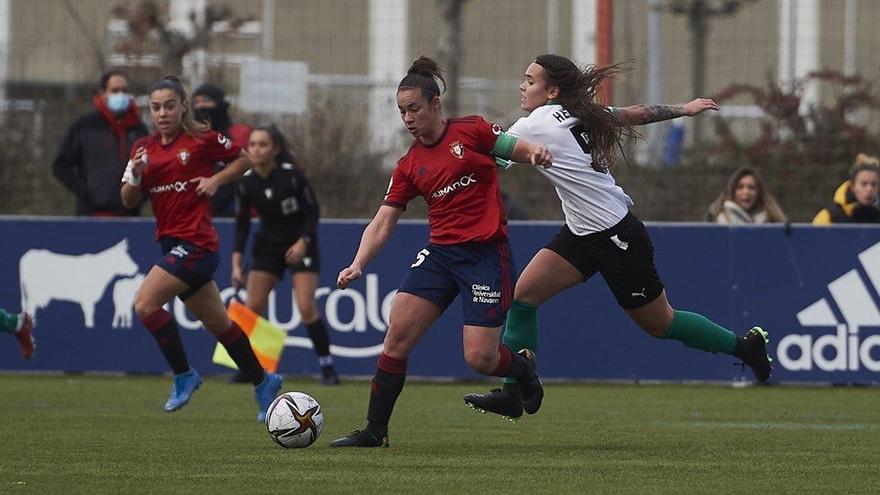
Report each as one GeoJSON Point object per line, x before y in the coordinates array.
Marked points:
{"type": "Point", "coordinates": [146, 17]}
{"type": "Point", "coordinates": [450, 52]}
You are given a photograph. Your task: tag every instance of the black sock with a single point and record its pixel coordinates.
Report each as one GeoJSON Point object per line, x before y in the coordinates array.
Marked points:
{"type": "Point", "coordinates": [164, 329]}
{"type": "Point", "coordinates": [320, 340]}
{"type": "Point", "coordinates": [239, 348]}
{"type": "Point", "coordinates": [387, 385]}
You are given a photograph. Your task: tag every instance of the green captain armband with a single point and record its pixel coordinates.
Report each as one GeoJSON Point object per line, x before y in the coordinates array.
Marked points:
{"type": "Point", "coordinates": [504, 146]}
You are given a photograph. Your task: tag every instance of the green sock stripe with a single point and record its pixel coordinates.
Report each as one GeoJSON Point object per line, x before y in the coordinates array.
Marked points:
{"type": "Point", "coordinates": [698, 332]}
{"type": "Point", "coordinates": [8, 322]}
{"type": "Point", "coordinates": [521, 329]}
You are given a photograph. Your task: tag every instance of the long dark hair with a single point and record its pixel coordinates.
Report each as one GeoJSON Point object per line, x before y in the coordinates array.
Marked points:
{"type": "Point", "coordinates": [284, 154]}
{"type": "Point", "coordinates": [765, 201]}
{"type": "Point", "coordinates": [190, 126]}
{"type": "Point", "coordinates": [423, 74]}
{"type": "Point", "coordinates": [577, 94]}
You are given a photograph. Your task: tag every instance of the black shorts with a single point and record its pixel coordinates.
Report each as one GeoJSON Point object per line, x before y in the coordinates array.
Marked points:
{"type": "Point", "coordinates": [623, 254]}
{"type": "Point", "coordinates": [269, 257]}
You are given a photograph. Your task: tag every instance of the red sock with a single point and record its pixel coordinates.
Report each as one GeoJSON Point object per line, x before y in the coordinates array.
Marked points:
{"type": "Point", "coordinates": [239, 348]}
{"type": "Point", "coordinates": [503, 368]}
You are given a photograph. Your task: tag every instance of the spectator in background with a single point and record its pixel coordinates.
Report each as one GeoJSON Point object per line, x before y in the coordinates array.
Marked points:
{"type": "Point", "coordinates": [209, 102]}
{"type": "Point", "coordinates": [855, 201]}
{"type": "Point", "coordinates": [94, 152]}
{"type": "Point", "coordinates": [745, 200]}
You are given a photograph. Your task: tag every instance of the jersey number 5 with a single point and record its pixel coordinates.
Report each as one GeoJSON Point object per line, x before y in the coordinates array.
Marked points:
{"type": "Point", "coordinates": [420, 258]}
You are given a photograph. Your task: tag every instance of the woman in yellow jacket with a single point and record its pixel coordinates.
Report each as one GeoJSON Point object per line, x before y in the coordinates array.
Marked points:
{"type": "Point", "coordinates": [855, 201]}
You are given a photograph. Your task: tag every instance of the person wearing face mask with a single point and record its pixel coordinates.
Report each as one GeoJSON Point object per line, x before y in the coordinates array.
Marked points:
{"type": "Point", "coordinates": [209, 102]}
{"type": "Point", "coordinates": [94, 152]}
{"type": "Point", "coordinates": [856, 200]}
{"type": "Point", "coordinates": [745, 200]}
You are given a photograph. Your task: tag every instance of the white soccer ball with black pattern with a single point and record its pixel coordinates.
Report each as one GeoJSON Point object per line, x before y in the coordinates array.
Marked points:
{"type": "Point", "coordinates": [294, 420]}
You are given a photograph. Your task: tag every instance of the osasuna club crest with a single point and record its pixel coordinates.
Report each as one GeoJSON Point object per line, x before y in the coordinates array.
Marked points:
{"type": "Point", "coordinates": [183, 155]}
{"type": "Point", "coordinates": [457, 149]}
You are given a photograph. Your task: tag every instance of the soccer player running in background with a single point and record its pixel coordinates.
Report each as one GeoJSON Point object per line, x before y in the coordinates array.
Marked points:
{"type": "Point", "coordinates": [21, 326]}
{"type": "Point", "coordinates": [287, 239]}
{"type": "Point", "coordinates": [451, 164]}
{"type": "Point", "coordinates": [600, 234]}
{"type": "Point", "coordinates": [174, 166]}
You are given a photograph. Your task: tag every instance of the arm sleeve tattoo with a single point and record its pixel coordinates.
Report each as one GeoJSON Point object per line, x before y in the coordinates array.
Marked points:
{"type": "Point", "coordinates": [646, 114]}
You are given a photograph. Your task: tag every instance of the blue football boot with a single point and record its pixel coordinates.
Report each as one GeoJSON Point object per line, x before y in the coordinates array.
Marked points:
{"type": "Point", "coordinates": [265, 393]}
{"type": "Point", "coordinates": [182, 389]}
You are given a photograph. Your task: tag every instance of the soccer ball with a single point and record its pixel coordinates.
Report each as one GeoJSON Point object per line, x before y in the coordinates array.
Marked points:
{"type": "Point", "coordinates": [294, 420]}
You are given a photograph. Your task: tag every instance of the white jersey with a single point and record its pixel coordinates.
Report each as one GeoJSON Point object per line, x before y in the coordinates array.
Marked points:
{"type": "Point", "coordinates": [591, 200]}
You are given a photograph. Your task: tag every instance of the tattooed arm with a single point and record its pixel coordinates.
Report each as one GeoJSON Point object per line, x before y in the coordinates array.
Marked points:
{"type": "Point", "coordinates": [646, 114]}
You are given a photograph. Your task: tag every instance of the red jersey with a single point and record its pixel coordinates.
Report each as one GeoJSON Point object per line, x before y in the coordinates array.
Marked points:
{"type": "Point", "coordinates": [458, 178]}
{"type": "Point", "coordinates": [180, 212]}
{"type": "Point", "coordinates": [240, 134]}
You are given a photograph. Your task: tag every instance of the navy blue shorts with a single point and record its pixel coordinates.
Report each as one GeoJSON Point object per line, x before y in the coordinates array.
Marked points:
{"type": "Point", "coordinates": [483, 273]}
{"type": "Point", "coordinates": [189, 263]}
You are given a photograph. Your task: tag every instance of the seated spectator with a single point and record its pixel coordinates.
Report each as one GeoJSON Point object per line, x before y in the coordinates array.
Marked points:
{"type": "Point", "coordinates": [855, 201]}
{"type": "Point", "coordinates": [745, 200]}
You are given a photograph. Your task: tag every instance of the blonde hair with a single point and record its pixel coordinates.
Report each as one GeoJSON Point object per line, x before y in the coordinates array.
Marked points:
{"type": "Point", "coordinates": [864, 162]}
{"type": "Point", "coordinates": [190, 126]}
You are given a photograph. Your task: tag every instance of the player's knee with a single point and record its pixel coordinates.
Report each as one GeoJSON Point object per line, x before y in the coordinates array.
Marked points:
{"type": "Point", "coordinates": [256, 304]}
{"type": "Point", "coordinates": [144, 308]}
{"type": "Point", "coordinates": [654, 329]}
{"type": "Point", "coordinates": [525, 293]}
{"type": "Point", "coordinates": [395, 344]}
{"type": "Point", "coordinates": [308, 313]}
{"type": "Point", "coordinates": [481, 360]}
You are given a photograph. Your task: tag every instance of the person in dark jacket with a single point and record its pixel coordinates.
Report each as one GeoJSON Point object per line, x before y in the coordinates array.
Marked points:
{"type": "Point", "coordinates": [94, 152]}
{"type": "Point", "coordinates": [210, 105]}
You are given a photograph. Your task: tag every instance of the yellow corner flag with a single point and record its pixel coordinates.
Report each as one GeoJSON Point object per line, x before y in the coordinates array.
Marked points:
{"type": "Point", "coordinates": [267, 340]}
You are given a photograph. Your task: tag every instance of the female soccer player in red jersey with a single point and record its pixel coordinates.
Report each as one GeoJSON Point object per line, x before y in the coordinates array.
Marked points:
{"type": "Point", "coordinates": [600, 233]}
{"type": "Point", "coordinates": [174, 166]}
{"type": "Point", "coordinates": [451, 164]}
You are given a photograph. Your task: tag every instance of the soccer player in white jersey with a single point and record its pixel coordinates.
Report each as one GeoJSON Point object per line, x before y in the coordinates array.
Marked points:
{"type": "Point", "coordinates": [600, 234]}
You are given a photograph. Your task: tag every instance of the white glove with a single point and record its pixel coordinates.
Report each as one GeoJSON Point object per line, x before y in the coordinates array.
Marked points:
{"type": "Point", "coordinates": [129, 177]}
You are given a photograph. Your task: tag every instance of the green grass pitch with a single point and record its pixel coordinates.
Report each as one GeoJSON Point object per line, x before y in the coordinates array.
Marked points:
{"type": "Point", "coordinates": [88, 434]}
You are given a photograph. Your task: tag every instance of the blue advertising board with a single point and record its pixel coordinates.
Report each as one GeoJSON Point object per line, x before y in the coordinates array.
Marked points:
{"type": "Point", "coordinates": [815, 289]}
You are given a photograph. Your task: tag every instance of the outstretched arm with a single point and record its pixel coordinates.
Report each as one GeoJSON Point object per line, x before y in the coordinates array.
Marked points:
{"type": "Point", "coordinates": [646, 114]}
{"type": "Point", "coordinates": [374, 238]}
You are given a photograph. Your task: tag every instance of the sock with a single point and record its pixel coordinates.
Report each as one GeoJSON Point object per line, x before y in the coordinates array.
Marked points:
{"type": "Point", "coordinates": [698, 332]}
{"type": "Point", "coordinates": [163, 328]}
{"type": "Point", "coordinates": [8, 322]}
{"type": "Point", "coordinates": [387, 385]}
{"type": "Point", "coordinates": [320, 340]}
{"type": "Point", "coordinates": [511, 364]}
{"type": "Point", "coordinates": [239, 348]}
{"type": "Point", "coordinates": [521, 329]}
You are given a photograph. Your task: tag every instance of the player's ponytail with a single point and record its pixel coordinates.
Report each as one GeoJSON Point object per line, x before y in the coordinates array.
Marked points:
{"type": "Point", "coordinates": [424, 74]}
{"type": "Point", "coordinates": [578, 89]}
{"type": "Point", "coordinates": [190, 126]}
